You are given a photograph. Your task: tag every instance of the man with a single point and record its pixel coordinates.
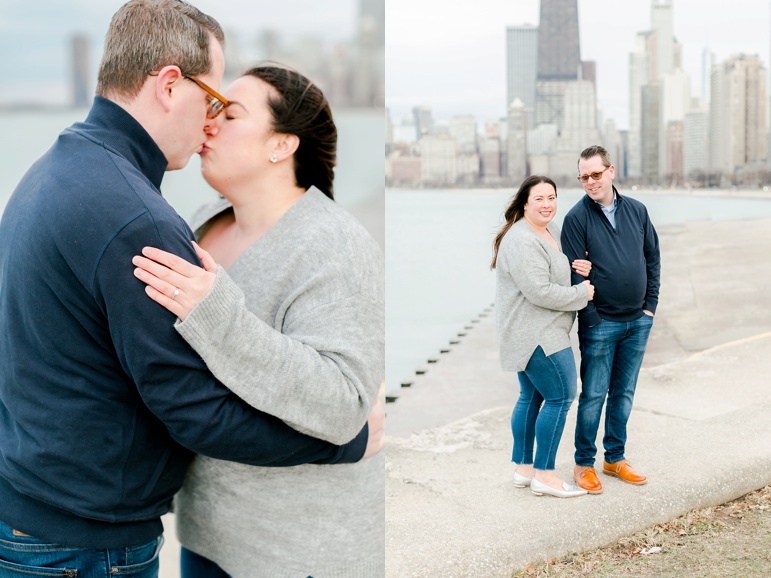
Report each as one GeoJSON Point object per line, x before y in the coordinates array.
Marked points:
{"type": "Point", "coordinates": [617, 236]}
{"type": "Point", "coordinates": [102, 403]}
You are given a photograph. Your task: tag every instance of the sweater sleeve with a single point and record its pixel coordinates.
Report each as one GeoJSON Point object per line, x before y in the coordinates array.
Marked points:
{"type": "Point", "coordinates": [652, 265]}
{"type": "Point", "coordinates": [172, 380]}
{"type": "Point", "coordinates": [320, 376]}
{"type": "Point", "coordinates": [530, 271]}
{"type": "Point", "coordinates": [575, 246]}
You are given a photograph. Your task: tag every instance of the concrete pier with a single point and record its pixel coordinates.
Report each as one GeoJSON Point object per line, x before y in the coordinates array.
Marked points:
{"type": "Point", "coordinates": [699, 429]}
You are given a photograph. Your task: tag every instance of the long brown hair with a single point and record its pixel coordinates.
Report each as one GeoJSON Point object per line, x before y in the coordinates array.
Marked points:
{"type": "Point", "coordinates": [516, 209]}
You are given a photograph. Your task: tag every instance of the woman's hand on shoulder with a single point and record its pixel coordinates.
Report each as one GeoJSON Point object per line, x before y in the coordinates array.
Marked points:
{"type": "Point", "coordinates": [173, 282]}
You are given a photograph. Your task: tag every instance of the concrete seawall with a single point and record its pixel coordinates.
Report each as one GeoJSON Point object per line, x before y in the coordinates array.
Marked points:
{"type": "Point", "coordinates": [699, 429]}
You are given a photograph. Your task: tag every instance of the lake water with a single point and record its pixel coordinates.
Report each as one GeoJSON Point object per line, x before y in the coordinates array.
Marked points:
{"type": "Point", "coordinates": [438, 243]}
{"type": "Point", "coordinates": [438, 252]}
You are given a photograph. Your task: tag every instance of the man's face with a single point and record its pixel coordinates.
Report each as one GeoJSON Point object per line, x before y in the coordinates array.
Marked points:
{"type": "Point", "coordinates": [600, 189]}
{"type": "Point", "coordinates": [190, 120]}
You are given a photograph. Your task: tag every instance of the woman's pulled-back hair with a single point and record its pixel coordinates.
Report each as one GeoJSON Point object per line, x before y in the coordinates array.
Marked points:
{"type": "Point", "coordinates": [516, 209]}
{"type": "Point", "coordinates": [146, 35]}
{"type": "Point", "coordinates": [301, 109]}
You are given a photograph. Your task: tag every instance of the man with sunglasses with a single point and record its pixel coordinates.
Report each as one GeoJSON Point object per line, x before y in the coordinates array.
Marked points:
{"type": "Point", "coordinates": [617, 236]}
{"type": "Point", "coordinates": [102, 403]}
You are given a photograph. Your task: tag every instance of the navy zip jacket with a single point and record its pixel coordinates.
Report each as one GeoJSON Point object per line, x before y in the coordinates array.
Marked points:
{"type": "Point", "coordinates": [102, 403]}
{"type": "Point", "coordinates": [626, 265]}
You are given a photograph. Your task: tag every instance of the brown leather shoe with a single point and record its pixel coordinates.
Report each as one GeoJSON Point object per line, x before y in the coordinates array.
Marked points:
{"type": "Point", "coordinates": [623, 471]}
{"type": "Point", "coordinates": [586, 478]}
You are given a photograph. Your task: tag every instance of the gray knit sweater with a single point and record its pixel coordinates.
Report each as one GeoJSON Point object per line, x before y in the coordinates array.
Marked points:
{"type": "Point", "coordinates": [534, 301]}
{"type": "Point", "coordinates": [296, 329]}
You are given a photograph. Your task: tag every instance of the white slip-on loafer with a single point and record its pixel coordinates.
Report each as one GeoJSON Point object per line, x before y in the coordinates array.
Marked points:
{"type": "Point", "coordinates": [568, 491]}
{"type": "Point", "coordinates": [521, 481]}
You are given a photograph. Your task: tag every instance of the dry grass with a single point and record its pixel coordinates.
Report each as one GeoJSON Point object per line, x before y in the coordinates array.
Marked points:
{"type": "Point", "coordinates": [725, 541]}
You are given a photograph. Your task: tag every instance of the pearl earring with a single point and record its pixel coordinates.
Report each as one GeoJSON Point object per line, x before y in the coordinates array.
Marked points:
{"type": "Point", "coordinates": [274, 158]}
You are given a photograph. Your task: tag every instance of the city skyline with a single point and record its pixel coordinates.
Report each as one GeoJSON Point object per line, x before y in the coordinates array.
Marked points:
{"type": "Point", "coordinates": [39, 35]}
{"type": "Point", "coordinates": [459, 69]}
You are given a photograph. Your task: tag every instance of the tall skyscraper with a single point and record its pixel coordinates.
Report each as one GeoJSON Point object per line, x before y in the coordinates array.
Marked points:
{"type": "Point", "coordinates": [650, 107]}
{"type": "Point", "coordinates": [559, 52]}
{"type": "Point", "coordinates": [707, 62]}
{"type": "Point", "coordinates": [696, 146]}
{"type": "Point", "coordinates": [522, 67]}
{"type": "Point", "coordinates": [559, 58]}
{"type": "Point", "coordinates": [81, 94]}
{"type": "Point", "coordinates": [368, 82]}
{"type": "Point", "coordinates": [424, 121]}
{"type": "Point", "coordinates": [463, 128]}
{"type": "Point", "coordinates": [738, 123]}
{"type": "Point", "coordinates": [639, 76]}
{"type": "Point", "coordinates": [662, 23]}
{"type": "Point", "coordinates": [516, 157]}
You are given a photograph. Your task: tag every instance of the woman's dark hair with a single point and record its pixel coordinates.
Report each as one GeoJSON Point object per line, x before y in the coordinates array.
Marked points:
{"type": "Point", "coordinates": [516, 209]}
{"type": "Point", "coordinates": [301, 109]}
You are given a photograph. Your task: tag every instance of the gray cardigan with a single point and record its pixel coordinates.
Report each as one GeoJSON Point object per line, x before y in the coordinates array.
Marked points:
{"type": "Point", "coordinates": [296, 329]}
{"type": "Point", "coordinates": [534, 301]}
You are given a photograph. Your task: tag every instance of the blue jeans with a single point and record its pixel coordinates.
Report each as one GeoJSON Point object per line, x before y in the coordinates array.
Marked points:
{"type": "Point", "coordinates": [551, 382]}
{"type": "Point", "coordinates": [196, 566]}
{"type": "Point", "coordinates": [28, 557]}
{"type": "Point", "coordinates": [611, 357]}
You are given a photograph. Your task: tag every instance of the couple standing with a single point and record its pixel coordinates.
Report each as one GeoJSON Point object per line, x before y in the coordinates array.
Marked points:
{"type": "Point", "coordinates": [113, 375]}
{"type": "Point", "coordinates": [613, 249]}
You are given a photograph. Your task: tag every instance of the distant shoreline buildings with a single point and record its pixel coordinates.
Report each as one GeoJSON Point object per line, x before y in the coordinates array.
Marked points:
{"type": "Point", "coordinates": [719, 138]}
{"type": "Point", "coordinates": [351, 71]}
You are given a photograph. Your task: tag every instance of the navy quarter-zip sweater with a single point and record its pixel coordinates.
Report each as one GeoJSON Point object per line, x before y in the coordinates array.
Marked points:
{"type": "Point", "coordinates": [102, 403]}
{"type": "Point", "coordinates": [626, 264]}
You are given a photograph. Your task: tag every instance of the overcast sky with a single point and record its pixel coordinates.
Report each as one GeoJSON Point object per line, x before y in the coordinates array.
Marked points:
{"type": "Point", "coordinates": [450, 54]}
{"type": "Point", "coordinates": [34, 34]}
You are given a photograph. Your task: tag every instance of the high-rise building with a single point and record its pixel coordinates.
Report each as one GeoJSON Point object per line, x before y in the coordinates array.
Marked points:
{"type": "Point", "coordinates": [438, 160]}
{"type": "Point", "coordinates": [696, 146]}
{"type": "Point", "coordinates": [516, 155]}
{"type": "Point", "coordinates": [463, 129]}
{"type": "Point", "coordinates": [738, 124]}
{"type": "Point", "coordinates": [559, 52]}
{"type": "Point", "coordinates": [707, 62]}
{"type": "Point", "coordinates": [559, 58]}
{"type": "Point", "coordinates": [674, 172]}
{"type": "Point", "coordinates": [81, 94]}
{"type": "Point", "coordinates": [589, 71]}
{"type": "Point", "coordinates": [424, 121]}
{"type": "Point", "coordinates": [639, 76]}
{"type": "Point", "coordinates": [522, 67]}
{"type": "Point", "coordinates": [369, 79]}
{"type": "Point", "coordinates": [615, 147]}
{"type": "Point", "coordinates": [676, 95]}
{"type": "Point", "coordinates": [579, 130]}
{"type": "Point", "coordinates": [662, 23]}
{"type": "Point", "coordinates": [650, 108]}
{"type": "Point", "coordinates": [490, 159]}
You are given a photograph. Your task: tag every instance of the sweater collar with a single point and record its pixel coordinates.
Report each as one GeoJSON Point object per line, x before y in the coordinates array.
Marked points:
{"type": "Point", "coordinates": [618, 199]}
{"type": "Point", "coordinates": [116, 129]}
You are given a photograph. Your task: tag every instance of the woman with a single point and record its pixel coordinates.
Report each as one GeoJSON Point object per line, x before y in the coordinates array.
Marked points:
{"type": "Point", "coordinates": [292, 322]}
{"type": "Point", "coordinates": [535, 309]}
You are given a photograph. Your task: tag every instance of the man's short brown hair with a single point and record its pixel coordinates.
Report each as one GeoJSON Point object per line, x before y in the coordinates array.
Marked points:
{"type": "Point", "coordinates": [146, 35]}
